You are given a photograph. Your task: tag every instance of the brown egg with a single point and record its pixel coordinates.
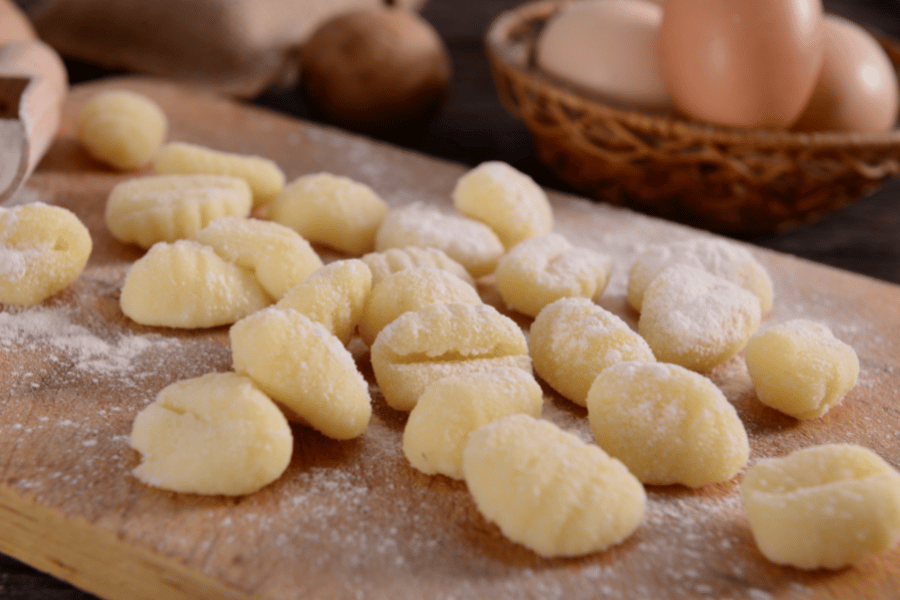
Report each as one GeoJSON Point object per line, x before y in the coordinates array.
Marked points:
{"type": "Point", "coordinates": [741, 63]}
{"type": "Point", "coordinates": [857, 86]}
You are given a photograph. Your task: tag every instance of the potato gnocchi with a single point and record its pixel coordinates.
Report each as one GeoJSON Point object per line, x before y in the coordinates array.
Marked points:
{"type": "Point", "coordinates": [506, 200]}
{"type": "Point", "coordinates": [572, 340]}
{"type": "Point", "coordinates": [166, 208]}
{"type": "Point", "coordinates": [667, 424]}
{"type": "Point", "coordinates": [214, 434]}
{"type": "Point", "coordinates": [305, 368]}
{"type": "Point", "coordinates": [451, 408]}
{"type": "Point", "coordinates": [43, 249]}
{"type": "Point", "coordinates": [420, 347]}
{"type": "Point", "coordinates": [800, 368]}
{"type": "Point", "coordinates": [387, 262]}
{"type": "Point", "coordinates": [278, 256]}
{"type": "Point", "coordinates": [550, 491]}
{"type": "Point", "coordinates": [121, 128]}
{"type": "Point", "coordinates": [331, 210]}
{"type": "Point", "coordinates": [264, 177]}
{"type": "Point", "coordinates": [827, 506]}
{"type": "Point", "coordinates": [543, 269]}
{"type": "Point", "coordinates": [187, 285]}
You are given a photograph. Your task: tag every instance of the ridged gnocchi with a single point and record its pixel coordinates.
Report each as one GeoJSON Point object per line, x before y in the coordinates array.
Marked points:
{"type": "Point", "coordinates": [549, 490]}
{"type": "Point", "coordinates": [166, 208]}
{"type": "Point", "coordinates": [44, 248]}
{"type": "Point", "coordinates": [187, 285]}
{"type": "Point", "coordinates": [387, 262]}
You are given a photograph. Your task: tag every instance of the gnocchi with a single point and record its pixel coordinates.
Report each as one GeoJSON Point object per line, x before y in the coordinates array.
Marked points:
{"type": "Point", "coordinates": [420, 347]}
{"type": "Point", "coordinates": [827, 506]}
{"type": "Point", "coordinates": [43, 249]}
{"type": "Point", "coordinates": [121, 128]}
{"type": "Point", "coordinates": [331, 210]}
{"type": "Point", "coordinates": [506, 200]}
{"type": "Point", "coordinates": [695, 319]}
{"type": "Point", "coordinates": [451, 408]}
{"type": "Point", "coordinates": [549, 490]}
{"type": "Point", "coordinates": [800, 368]}
{"type": "Point", "coordinates": [214, 434]}
{"type": "Point", "coordinates": [572, 340]}
{"type": "Point", "coordinates": [667, 424]}
{"type": "Point", "coordinates": [543, 269]}
{"type": "Point", "coordinates": [278, 256]}
{"type": "Point", "coordinates": [302, 366]}
{"type": "Point", "coordinates": [387, 262]}
{"type": "Point", "coordinates": [471, 243]}
{"type": "Point", "coordinates": [187, 285]}
{"type": "Point", "coordinates": [264, 177]}
{"type": "Point", "coordinates": [166, 208]}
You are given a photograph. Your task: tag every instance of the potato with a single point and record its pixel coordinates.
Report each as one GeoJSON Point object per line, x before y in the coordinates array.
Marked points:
{"type": "Point", "coordinates": [375, 69]}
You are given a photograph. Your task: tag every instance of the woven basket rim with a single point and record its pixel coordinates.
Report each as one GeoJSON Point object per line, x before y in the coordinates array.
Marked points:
{"type": "Point", "coordinates": [505, 51]}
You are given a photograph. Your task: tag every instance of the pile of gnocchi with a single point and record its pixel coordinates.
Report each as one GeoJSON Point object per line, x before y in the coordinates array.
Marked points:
{"type": "Point", "coordinates": [467, 374]}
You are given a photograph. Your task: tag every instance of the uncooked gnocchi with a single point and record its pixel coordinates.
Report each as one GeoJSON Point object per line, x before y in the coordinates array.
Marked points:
{"type": "Point", "coordinates": [420, 347]}
{"type": "Point", "coordinates": [43, 249]}
{"type": "Point", "coordinates": [550, 491]}
{"type": "Point", "coordinates": [166, 208]}
{"type": "Point", "coordinates": [334, 296]}
{"type": "Point", "coordinates": [800, 368]}
{"type": "Point", "coordinates": [667, 424]}
{"type": "Point", "coordinates": [451, 408]}
{"type": "Point", "coordinates": [826, 506]}
{"type": "Point", "coordinates": [305, 368]}
{"type": "Point", "coordinates": [187, 285]}
{"type": "Point", "coordinates": [410, 290]}
{"type": "Point", "coordinates": [471, 243]}
{"type": "Point", "coordinates": [264, 176]}
{"type": "Point", "coordinates": [331, 210]}
{"type": "Point", "coordinates": [572, 340]}
{"type": "Point", "coordinates": [121, 128]}
{"type": "Point", "coordinates": [214, 434]}
{"type": "Point", "coordinates": [695, 319]}
{"type": "Point", "coordinates": [392, 260]}
{"type": "Point", "coordinates": [506, 200]}
{"type": "Point", "coordinates": [543, 269]}
{"type": "Point", "coordinates": [716, 256]}
{"type": "Point", "coordinates": [278, 255]}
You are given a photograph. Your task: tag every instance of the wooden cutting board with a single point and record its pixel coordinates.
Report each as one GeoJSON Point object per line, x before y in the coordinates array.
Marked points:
{"type": "Point", "coordinates": [353, 519]}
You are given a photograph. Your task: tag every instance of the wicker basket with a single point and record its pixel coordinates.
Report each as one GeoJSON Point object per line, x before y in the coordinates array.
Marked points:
{"type": "Point", "coordinates": [737, 182]}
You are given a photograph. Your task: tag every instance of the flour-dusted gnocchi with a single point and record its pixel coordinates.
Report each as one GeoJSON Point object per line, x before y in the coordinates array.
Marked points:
{"type": "Point", "coordinates": [410, 290]}
{"type": "Point", "coordinates": [334, 296]}
{"type": "Point", "coordinates": [387, 262]}
{"type": "Point", "coordinates": [543, 269]}
{"type": "Point", "coordinates": [121, 128]}
{"type": "Point", "coordinates": [278, 255]}
{"type": "Point", "coordinates": [214, 434]}
{"type": "Point", "coordinates": [506, 200]}
{"type": "Point", "coordinates": [166, 208]}
{"type": "Point", "coordinates": [331, 210]}
{"type": "Point", "coordinates": [420, 347]}
{"type": "Point", "coordinates": [305, 368]}
{"type": "Point", "coordinates": [716, 256]}
{"type": "Point", "coordinates": [695, 319]}
{"type": "Point", "coordinates": [471, 243]}
{"type": "Point", "coordinates": [549, 490]}
{"type": "Point", "coordinates": [572, 340]}
{"type": "Point", "coordinates": [187, 285]}
{"type": "Point", "coordinates": [451, 408]}
{"type": "Point", "coordinates": [264, 177]}
{"type": "Point", "coordinates": [826, 506]}
{"type": "Point", "coordinates": [667, 424]}
{"type": "Point", "coordinates": [43, 249]}
{"type": "Point", "coordinates": [800, 368]}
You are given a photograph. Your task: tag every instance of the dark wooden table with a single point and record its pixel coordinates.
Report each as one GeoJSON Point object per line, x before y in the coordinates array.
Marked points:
{"type": "Point", "coordinates": [473, 127]}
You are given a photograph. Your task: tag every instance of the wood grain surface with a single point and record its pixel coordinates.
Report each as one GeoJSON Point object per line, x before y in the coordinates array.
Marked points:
{"type": "Point", "coordinates": [353, 519]}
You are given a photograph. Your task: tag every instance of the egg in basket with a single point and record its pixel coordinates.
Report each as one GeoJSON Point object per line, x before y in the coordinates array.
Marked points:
{"type": "Point", "coordinates": [746, 119]}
